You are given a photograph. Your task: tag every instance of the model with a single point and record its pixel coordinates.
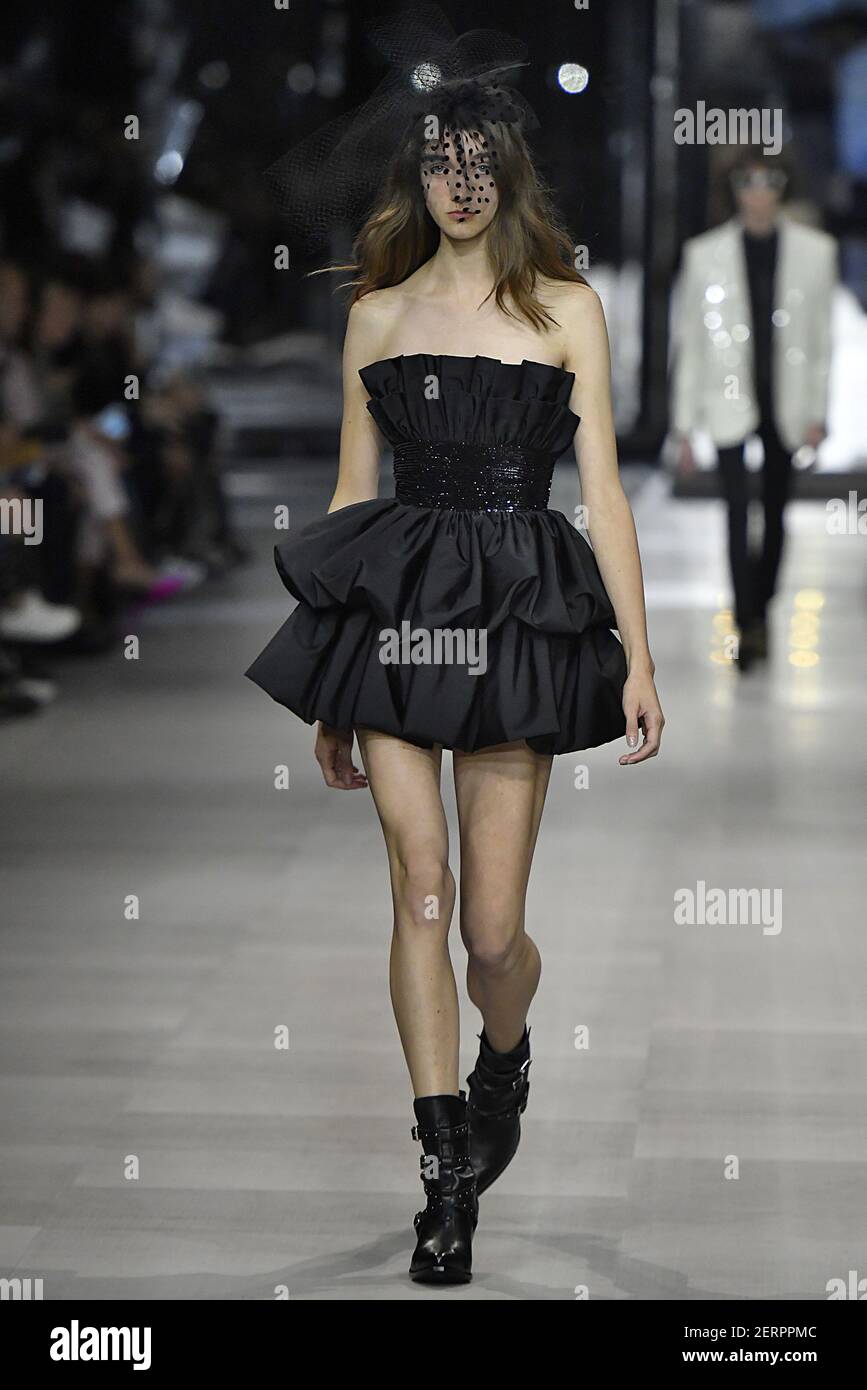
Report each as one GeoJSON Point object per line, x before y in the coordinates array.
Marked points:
{"type": "Point", "coordinates": [747, 365]}
{"type": "Point", "coordinates": [463, 613]}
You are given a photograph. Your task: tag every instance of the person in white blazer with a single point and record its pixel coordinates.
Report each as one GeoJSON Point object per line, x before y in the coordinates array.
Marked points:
{"type": "Point", "coordinates": [752, 357]}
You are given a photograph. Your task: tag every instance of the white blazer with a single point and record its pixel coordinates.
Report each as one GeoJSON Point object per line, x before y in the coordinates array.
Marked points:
{"type": "Point", "coordinates": [713, 384]}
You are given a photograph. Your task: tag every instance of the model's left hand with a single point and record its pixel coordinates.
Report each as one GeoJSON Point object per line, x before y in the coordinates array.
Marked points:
{"type": "Point", "coordinates": [814, 436]}
{"type": "Point", "coordinates": [643, 711]}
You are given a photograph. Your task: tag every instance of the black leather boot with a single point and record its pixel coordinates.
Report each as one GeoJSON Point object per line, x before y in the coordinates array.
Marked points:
{"type": "Point", "coordinates": [444, 1253]}
{"type": "Point", "coordinates": [499, 1087]}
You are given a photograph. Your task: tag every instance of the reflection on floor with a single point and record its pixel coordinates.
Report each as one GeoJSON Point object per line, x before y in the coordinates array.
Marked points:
{"type": "Point", "coordinates": [708, 1142]}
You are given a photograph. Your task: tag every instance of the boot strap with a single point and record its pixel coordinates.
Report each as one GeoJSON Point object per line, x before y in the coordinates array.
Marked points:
{"type": "Point", "coordinates": [518, 1078]}
{"type": "Point", "coordinates": [512, 1113]}
{"type": "Point", "coordinates": [464, 1198]}
{"type": "Point", "coordinates": [449, 1131]}
{"type": "Point", "coordinates": [519, 1084]}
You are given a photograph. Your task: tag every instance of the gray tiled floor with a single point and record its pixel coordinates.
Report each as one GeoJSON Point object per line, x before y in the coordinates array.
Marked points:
{"type": "Point", "coordinates": [258, 908]}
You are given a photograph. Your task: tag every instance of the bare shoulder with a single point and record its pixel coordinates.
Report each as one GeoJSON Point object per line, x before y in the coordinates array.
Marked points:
{"type": "Point", "coordinates": [578, 310]}
{"type": "Point", "coordinates": [582, 329]}
{"type": "Point", "coordinates": [378, 303]}
{"type": "Point", "coordinates": [368, 325]}
{"type": "Point", "coordinates": [570, 301]}
{"type": "Point", "coordinates": [375, 310]}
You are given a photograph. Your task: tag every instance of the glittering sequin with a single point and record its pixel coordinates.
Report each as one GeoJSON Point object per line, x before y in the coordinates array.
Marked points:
{"type": "Point", "coordinates": [472, 477]}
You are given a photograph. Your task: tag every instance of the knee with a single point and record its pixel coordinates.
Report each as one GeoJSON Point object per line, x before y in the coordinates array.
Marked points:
{"type": "Point", "coordinates": [424, 889]}
{"type": "Point", "coordinates": [495, 947]}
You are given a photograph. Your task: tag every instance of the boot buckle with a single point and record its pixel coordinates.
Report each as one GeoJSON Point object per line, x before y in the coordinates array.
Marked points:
{"type": "Point", "coordinates": [522, 1075]}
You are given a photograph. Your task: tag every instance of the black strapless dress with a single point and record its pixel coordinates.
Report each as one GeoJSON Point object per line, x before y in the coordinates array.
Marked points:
{"type": "Point", "coordinates": [468, 542]}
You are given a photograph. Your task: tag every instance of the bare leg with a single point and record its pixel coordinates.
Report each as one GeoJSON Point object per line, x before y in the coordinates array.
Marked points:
{"type": "Point", "coordinates": [500, 795]}
{"type": "Point", "coordinates": [405, 782]}
{"type": "Point", "coordinates": [129, 565]}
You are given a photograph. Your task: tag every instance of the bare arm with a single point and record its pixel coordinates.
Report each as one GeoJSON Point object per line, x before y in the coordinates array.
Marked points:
{"type": "Point", "coordinates": [610, 523]}
{"type": "Point", "coordinates": [360, 441]}
{"type": "Point", "coordinates": [357, 481]}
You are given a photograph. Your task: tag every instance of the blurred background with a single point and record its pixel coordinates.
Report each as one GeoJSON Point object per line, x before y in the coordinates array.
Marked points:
{"type": "Point", "coordinates": [161, 374]}
{"type": "Point", "coordinates": [165, 384]}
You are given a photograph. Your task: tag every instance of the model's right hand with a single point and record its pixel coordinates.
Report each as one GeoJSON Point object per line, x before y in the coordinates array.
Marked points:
{"type": "Point", "coordinates": [685, 458]}
{"type": "Point", "coordinates": [334, 755]}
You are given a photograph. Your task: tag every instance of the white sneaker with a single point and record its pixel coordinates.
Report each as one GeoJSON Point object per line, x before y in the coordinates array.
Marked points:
{"type": "Point", "coordinates": [42, 691]}
{"type": "Point", "coordinates": [35, 620]}
{"type": "Point", "coordinates": [190, 571]}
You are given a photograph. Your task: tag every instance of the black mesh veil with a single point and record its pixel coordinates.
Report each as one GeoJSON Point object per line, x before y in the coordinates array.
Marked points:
{"type": "Point", "coordinates": [453, 91]}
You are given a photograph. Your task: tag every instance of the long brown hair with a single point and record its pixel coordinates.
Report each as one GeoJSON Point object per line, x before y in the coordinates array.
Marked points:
{"type": "Point", "coordinates": [525, 238]}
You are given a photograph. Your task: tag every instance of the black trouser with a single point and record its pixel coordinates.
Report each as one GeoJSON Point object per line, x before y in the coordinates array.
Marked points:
{"type": "Point", "coordinates": [754, 577]}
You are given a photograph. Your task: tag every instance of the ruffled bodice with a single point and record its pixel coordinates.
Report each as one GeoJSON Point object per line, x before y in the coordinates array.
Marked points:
{"type": "Point", "coordinates": [471, 400]}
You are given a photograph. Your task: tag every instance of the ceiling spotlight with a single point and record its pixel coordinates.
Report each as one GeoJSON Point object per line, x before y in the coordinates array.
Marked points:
{"type": "Point", "coordinates": [214, 75]}
{"type": "Point", "coordinates": [425, 76]}
{"type": "Point", "coordinates": [301, 78]}
{"type": "Point", "coordinates": [572, 77]}
{"type": "Point", "coordinates": [168, 167]}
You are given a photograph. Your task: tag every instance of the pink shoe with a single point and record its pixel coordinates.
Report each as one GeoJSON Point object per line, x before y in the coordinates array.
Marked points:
{"type": "Point", "coordinates": [165, 587]}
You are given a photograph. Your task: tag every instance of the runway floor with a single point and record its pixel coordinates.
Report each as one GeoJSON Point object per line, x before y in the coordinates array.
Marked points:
{"type": "Point", "coordinates": [709, 1143]}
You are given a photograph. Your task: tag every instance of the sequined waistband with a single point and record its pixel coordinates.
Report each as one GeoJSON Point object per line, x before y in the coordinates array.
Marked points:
{"type": "Point", "coordinates": [477, 477]}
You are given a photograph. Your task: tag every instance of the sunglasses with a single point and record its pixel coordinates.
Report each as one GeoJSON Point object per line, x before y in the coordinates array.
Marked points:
{"type": "Point", "coordinates": [759, 178]}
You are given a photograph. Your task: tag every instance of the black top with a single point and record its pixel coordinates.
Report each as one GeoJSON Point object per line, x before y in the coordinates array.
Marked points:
{"type": "Point", "coordinates": [761, 258]}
